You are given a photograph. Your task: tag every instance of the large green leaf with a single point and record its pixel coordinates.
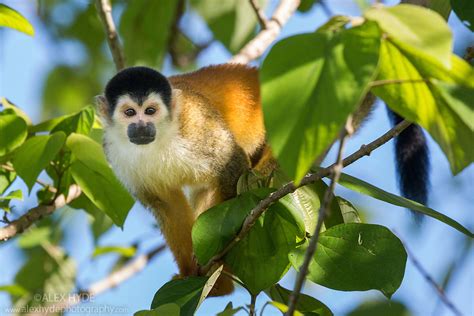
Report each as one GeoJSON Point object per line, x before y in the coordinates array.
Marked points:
{"type": "Point", "coordinates": [442, 7]}
{"type": "Point", "coordinates": [379, 194]}
{"type": "Point", "coordinates": [91, 171]}
{"type": "Point", "coordinates": [356, 257]}
{"type": "Point", "coordinates": [183, 292]}
{"type": "Point", "coordinates": [233, 22]}
{"type": "Point", "coordinates": [13, 131]}
{"type": "Point", "coordinates": [318, 107]}
{"type": "Point", "coordinates": [408, 25]}
{"type": "Point", "coordinates": [261, 258]}
{"type": "Point", "coordinates": [152, 20]}
{"type": "Point", "coordinates": [422, 103]}
{"type": "Point", "coordinates": [306, 304]}
{"type": "Point", "coordinates": [12, 19]}
{"type": "Point", "coordinates": [35, 155]}
{"type": "Point", "coordinates": [465, 12]}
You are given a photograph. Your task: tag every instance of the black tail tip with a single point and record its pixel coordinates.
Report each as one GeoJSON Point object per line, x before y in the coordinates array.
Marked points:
{"type": "Point", "coordinates": [413, 162]}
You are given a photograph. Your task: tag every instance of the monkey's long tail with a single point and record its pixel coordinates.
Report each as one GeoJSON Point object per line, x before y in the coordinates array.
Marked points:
{"type": "Point", "coordinates": [412, 161]}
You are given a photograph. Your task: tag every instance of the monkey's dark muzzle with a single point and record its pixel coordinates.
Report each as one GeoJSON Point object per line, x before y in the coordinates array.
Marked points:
{"type": "Point", "coordinates": [141, 133]}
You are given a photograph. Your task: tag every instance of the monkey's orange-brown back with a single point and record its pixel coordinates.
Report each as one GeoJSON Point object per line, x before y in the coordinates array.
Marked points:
{"type": "Point", "coordinates": [235, 91]}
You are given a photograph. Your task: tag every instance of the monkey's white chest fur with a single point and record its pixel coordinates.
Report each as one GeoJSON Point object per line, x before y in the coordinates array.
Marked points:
{"type": "Point", "coordinates": [168, 162]}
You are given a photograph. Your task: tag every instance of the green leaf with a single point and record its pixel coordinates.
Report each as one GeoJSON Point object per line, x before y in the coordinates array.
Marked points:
{"type": "Point", "coordinates": [379, 194]}
{"type": "Point", "coordinates": [6, 179]}
{"type": "Point", "coordinates": [35, 154]}
{"type": "Point", "coordinates": [153, 21]}
{"type": "Point", "coordinates": [233, 22]}
{"type": "Point", "coordinates": [13, 195]}
{"type": "Point", "coordinates": [459, 99]}
{"type": "Point", "coordinates": [91, 171]}
{"type": "Point", "coordinates": [123, 251]}
{"type": "Point", "coordinates": [183, 292]}
{"type": "Point", "coordinates": [169, 309]}
{"type": "Point", "coordinates": [12, 19]}
{"type": "Point", "coordinates": [376, 256]}
{"type": "Point", "coordinates": [349, 58]}
{"type": "Point", "coordinates": [465, 12]}
{"type": "Point", "coordinates": [13, 132]}
{"type": "Point", "coordinates": [34, 237]}
{"type": "Point", "coordinates": [306, 5]}
{"type": "Point", "coordinates": [377, 308]}
{"type": "Point", "coordinates": [348, 211]}
{"type": "Point", "coordinates": [442, 7]}
{"type": "Point", "coordinates": [408, 24]}
{"type": "Point", "coordinates": [230, 310]}
{"type": "Point", "coordinates": [283, 308]}
{"type": "Point", "coordinates": [421, 102]}
{"type": "Point", "coordinates": [306, 304]}
{"type": "Point", "coordinates": [80, 122]}
{"type": "Point", "coordinates": [14, 290]}
{"type": "Point", "coordinates": [9, 107]}
{"type": "Point", "coordinates": [261, 258]}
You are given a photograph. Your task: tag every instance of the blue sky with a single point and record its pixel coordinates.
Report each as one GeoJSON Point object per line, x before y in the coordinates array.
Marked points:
{"type": "Point", "coordinates": [24, 62]}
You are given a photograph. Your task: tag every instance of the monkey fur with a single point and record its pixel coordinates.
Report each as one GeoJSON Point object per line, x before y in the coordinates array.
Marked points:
{"type": "Point", "coordinates": [200, 131]}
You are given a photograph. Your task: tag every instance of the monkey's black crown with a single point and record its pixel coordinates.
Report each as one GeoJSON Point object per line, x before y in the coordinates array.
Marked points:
{"type": "Point", "coordinates": [138, 82]}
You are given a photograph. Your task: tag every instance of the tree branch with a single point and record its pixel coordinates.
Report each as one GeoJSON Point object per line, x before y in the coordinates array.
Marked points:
{"type": "Point", "coordinates": [431, 281]}
{"type": "Point", "coordinates": [262, 19]}
{"type": "Point", "coordinates": [109, 282]}
{"type": "Point", "coordinates": [257, 46]}
{"type": "Point", "coordinates": [323, 210]}
{"type": "Point", "coordinates": [25, 221]}
{"type": "Point", "coordinates": [105, 11]}
{"type": "Point", "coordinates": [257, 211]}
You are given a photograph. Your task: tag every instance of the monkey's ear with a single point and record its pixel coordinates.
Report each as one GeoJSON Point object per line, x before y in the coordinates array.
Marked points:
{"type": "Point", "coordinates": [175, 98]}
{"type": "Point", "coordinates": [102, 107]}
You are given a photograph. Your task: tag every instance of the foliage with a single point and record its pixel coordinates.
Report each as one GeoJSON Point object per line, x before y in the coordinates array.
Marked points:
{"type": "Point", "coordinates": [389, 54]}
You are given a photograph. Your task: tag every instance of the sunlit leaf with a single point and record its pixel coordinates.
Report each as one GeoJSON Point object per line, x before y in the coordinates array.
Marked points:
{"type": "Point", "coordinates": [13, 195]}
{"type": "Point", "coordinates": [379, 307]}
{"type": "Point", "coordinates": [349, 58]}
{"type": "Point", "coordinates": [123, 251]}
{"type": "Point", "coordinates": [92, 172]}
{"type": "Point", "coordinates": [35, 154]}
{"type": "Point", "coordinates": [13, 132]}
{"type": "Point", "coordinates": [169, 309]}
{"type": "Point", "coordinates": [12, 19]}
{"type": "Point", "coordinates": [408, 24]}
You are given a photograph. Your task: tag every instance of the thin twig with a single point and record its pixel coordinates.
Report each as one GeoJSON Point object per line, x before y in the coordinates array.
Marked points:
{"type": "Point", "coordinates": [262, 19]}
{"type": "Point", "coordinates": [257, 46]}
{"type": "Point", "coordinates": [290, 187]}
{"type": "Point", "coordinates": [469, 54]}
{"type": "Point", "coordinates": [323, 210]}
{"type": "Point", "coordinates": [42, 183]}
{"type": "Point", "coordinates": [105, 11]}
{"type": "Point", "coordinates": [36, 213]}
{"type": "Point", "coordinates": [253, 300]}
{"type": "Point", "coordinates": [439, 290]}
{"type": "Point", "coordinates": [109, 282]}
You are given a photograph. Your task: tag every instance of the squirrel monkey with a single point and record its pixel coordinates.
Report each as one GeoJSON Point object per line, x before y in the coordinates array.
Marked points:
{"type": "Point", "coordinates": [200, 131]}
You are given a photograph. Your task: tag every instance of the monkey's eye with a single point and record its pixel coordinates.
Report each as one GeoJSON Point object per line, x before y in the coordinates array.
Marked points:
{"type": "Point", "coordinates": [150, 111]}
{"type": "Point", "coordinates": [130, 112]}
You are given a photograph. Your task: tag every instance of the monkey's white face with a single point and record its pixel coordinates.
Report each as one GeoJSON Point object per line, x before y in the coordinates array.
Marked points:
{"type": "Point", "coordinates": [140, 123]}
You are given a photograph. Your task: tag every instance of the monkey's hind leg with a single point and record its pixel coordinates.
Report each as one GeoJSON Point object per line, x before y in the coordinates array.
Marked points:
{"type": "Point", "coordinates": [176, 220]}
